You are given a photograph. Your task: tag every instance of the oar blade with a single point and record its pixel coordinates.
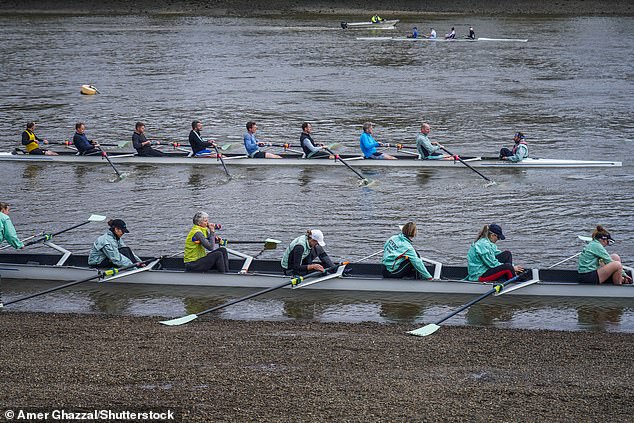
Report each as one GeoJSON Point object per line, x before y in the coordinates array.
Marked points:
{"type": "Point", "coordinates": [425, 330]}
{"type": "Point", "coordinates": [226, 147]}
{"type": "Point", "coordinates": [179, 321]}
{"type": "Point", "coordinates": [123, 144]}
{"type": "Point", "coordinates": [584, 238]}
{"type": "Point", "coordinates": [96, 218]}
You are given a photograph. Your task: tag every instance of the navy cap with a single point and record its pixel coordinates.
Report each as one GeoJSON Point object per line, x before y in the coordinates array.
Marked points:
{"type": "Point", "coordinates": [118, 223]}
{"type": "Point", "coordinates": [497, 229]}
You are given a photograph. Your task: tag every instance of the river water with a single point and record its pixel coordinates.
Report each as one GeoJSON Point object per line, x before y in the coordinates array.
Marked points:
{"type": "Point", "coordinates": [569, 89]}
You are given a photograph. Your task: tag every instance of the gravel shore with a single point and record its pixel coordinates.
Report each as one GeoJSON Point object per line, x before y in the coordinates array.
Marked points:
{"type": "Point", "coordinates": [222, 370]}
{"type": "Point", "coordinates": [350, 7]}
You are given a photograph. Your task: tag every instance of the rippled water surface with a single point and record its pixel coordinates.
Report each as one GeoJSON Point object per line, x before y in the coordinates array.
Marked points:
{"type": "Point", "coordinates": [569, 89]}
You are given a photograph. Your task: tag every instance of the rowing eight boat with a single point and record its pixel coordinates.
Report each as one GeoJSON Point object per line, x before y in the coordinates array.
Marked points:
{"type": "Point", "coordinates": [266, 273]}
{"type": "Point", "coordinates": [451, 40]}
{"type": "Point", "coordinates": [295, 160]}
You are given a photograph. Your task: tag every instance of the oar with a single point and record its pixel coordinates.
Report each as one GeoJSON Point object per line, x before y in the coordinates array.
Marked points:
{"type": "Point", "coordinates": [362, 179]}
{"type": "Point", "coordinates": [466, 164]}
{"type": "Point", "coordinates": [433, 327]}
{"type": "Point", "coordinates": [269, 244]}
{"type": "Point", "coordinates": [23, 240]}
{"type": "Point", "coordinates": [120, 144]}
{"type": "Point", "coordinates": [293, 281]}
{"type": "Point", "coordinates": [367, 257]}
{"type": "Point", "coordinates": [47, 237]}
{"type": "Point", "coordinates": [100, 274]}
{"type": "Point", "coordinates": [219, 156]}
{"type": "Point", "coordinates": [105, 155]}
{"type": "Point", "coordinates": [177, 145]}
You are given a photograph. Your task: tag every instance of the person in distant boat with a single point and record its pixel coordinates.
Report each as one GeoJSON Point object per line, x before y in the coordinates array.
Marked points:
{"type": "Point", "coordinates": [485, 262]}
{"type": "Point", "coordinates": [471, 35]}
{"type": "Point", "coordinates": [519, 151]}
{"type": "Point", "coordinates": [300, 254]}
{"type": "Point", "coordinates": [428, 150]}
{"type": "Point", "coordinates": [414, 33]}
{"type": "Point", "coordinates": [7, 230]}
{"type": "Point", "coordinates": [109, 250]}
{"type": "Point", "coordinates": [142, 144]}
{"type": "Point", "coordinates": [368, 144]}
{"type": "Point", "coordinates": [451, 35]}
{"type": "Point", "coordinates": [432, 34]}
{"type": "Point", "coordinates": [252, 144]}
{"type": "Point", "coordinates": [377, 19]}
{"type": "Point", "coordinates": [201, 239]}
{"type": "Point", "coordinates": [400, 259]}
{"type": "Point", "coordinates": [596, 265]}
{"type": "Point", "coordinates": [311, 150]}
{"type": "Point", "coordinates": [32, 142]}
{"type": "Point", "coordinates": [200, 146]}
{"type": "Point", "coordinates": [84, 146]}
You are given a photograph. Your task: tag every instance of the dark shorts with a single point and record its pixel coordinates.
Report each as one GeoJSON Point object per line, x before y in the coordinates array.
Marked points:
{"type": "Point", "coordinates": [259, 155]}
{"type": "Point", "coordinates": [38, 151]}
{"type": "Point", "coordinates": [376, 156]}
{"type": "Point", "coordinates": [589, 278]}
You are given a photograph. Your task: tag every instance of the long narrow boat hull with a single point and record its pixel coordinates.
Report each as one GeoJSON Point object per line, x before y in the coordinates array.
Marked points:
{"type": "Point", "coordinates": [293, 160]}
{"type": "Point", "coordinates": [442, 40]}
{"type": "Point", "coordinates": [386, 24]}
{"type": "Point", "coordinates": [266, 273]}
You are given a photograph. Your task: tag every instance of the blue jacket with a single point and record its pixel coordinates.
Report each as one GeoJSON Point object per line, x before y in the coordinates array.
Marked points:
{"type": "Point", "coordinates": [368, 144]}
{"type": "Point", "coordinates": [251, 144]}
{"type": "Point", "coordinates": [107, 246]}
{"type": "Point", "coordinates": [81, 142]}
{"type": "Point", "coordinates": [7, 232]}
{"type": "Point", "coordinates": [398, 249]}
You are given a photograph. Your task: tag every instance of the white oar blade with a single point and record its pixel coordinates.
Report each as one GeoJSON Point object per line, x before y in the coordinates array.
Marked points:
{"type": "Point", "coordinates": [584, 238]}
{"type": "Point", "coordinates": [123, 144]}
{"type": "Point", "coordinates": [96, 218]}
{"type": "Point", "coordinates": [271, 240]}
{"type": "Point", "coordinates": [180, 321]}
{"type": "Point", "coordinates": [425, 330]}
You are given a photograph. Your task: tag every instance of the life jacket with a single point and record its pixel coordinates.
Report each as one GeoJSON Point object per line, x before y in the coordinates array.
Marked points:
{"type": "Point", "coordinates": [300, 240]}
{"type": "Point", "coordinates": [32, 143]}
{"type": "Point", "coordinates": [517, 145]}
{"type": "Point", "coordinates": [301, 142]}
{"type": "Point", "coordinates": [194, 250]}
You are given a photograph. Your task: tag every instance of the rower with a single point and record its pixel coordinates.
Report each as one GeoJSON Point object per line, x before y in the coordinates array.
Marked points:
{"type": "Point", "coordinates": [252, 144]}
{"type": "Point", "coordinates": [368, 144]}
{"type": "Point", "coordinates": [486, 263]}
{"type": "Point", "coordinates": [109, 250]}
{"type": "Point", "coordinates": [32, 142]}
{"type": "Point", "coordinates": [451, 35]}
{"type": "Point", "coordinates": [142, 144]}
{"type": "Point", "coordinates": [596, 265]}
{"type": "Point", "coordinates": [519, 151]}
{"type": "Point", "coordinates": [84, 146]}
{"type": "Point", "coordinates": [432, 34]}
{"type": "Point", "coordinates": [200, 147]}
{"type": "Point", "coordinates": [7, 230]}
{"type": "Point", "coordinates": [311, 150]}
{"type": "Point", "coordinates": [376, 19]}
{"type": "Point", "coordinates": [471, 35]}
{"type": "Point", "coordinates": [200, 239]}
{"type": "Point", "coordinates": [414, 33]}
{"type": "Point", "coordinates": [428, 150]}
{"type": "Point", "coordinates": [302, 251]}
{"type": "Point", "coordinates": [400, 259]}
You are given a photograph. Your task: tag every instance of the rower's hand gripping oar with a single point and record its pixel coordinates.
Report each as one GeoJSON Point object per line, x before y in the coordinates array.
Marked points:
{"type": "Point", "coordinates": [433, 327]}
{"type": "Point", "coordinates": [490, 182]}
{"type": "Point", "coordinates": [293, 281]}
{"type": "Point", "coordinates": [362, 179]}
{"type": "Point", "coordinates": [47, 237]}
{"type": "Point", "coordinates": [99, 275]}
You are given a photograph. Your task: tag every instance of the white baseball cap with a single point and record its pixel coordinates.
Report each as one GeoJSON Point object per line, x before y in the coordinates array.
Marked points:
{"type": "Point", "coordinates": [318, 236]}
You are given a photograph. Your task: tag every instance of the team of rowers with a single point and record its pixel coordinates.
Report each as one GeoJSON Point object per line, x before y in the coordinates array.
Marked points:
{"type": "Point", "coordinates": [201, 147]}
{"type": "Point", "coordinates": [451, 35]}
{"type": "Point", "coordinates": [205, 251]}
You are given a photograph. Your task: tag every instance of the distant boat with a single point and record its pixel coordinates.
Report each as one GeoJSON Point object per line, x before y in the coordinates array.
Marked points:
{"type": "Point", "coordinates": [438, 40]}
{"type": "Point", "coordinates": [370, 25]}
{"type": "Point", "coordinates": [88, 89]}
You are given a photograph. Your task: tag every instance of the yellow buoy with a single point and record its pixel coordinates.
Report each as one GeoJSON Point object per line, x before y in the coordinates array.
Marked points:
{"type": "Point", "coordinates": [89, 90]}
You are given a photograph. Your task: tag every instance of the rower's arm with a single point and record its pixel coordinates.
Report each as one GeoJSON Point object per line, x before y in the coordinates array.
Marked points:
{"type": "Point", "coordinates": [208, 242]}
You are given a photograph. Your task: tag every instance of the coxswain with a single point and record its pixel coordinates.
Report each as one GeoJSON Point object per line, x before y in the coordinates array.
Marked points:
{"type": "Point", "coordinates": [200, 146]}
{"type": "Point", "coordinates": [32, 142]}
{"type": "Point", "coordinates": [109, 250]}
{"type": "Point", "coordinates": [202, 250]}
{"type": "Point", "coordinates": [300, 254]}
{"type": "Point", "coordinates": [311, 150]}
{"type": "Point", "coordinates": [142, 144]}
{"type": "Point", "coordinates": [252, 144]}
{"type": "Point", "coordinates": [400, 259]}
{"type": "Point", "coordinates": [84, 146]}
{"type": "Point", "coordinates": [485, 262]}
{"type": "Point", "coordinates": [368, 144]}
{"type": "Point", "coordinates": [7, 230]}
{"type": "Point", "coordinates": [519, 151]}
{"type": "Point", "coordinates": [596, 265]}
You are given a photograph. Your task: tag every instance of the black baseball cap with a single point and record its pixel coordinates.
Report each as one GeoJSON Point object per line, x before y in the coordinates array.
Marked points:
{"type": "Point", "coordinates": [497, 229]}
{"type": "Point", "coordinates": [118, 223]}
